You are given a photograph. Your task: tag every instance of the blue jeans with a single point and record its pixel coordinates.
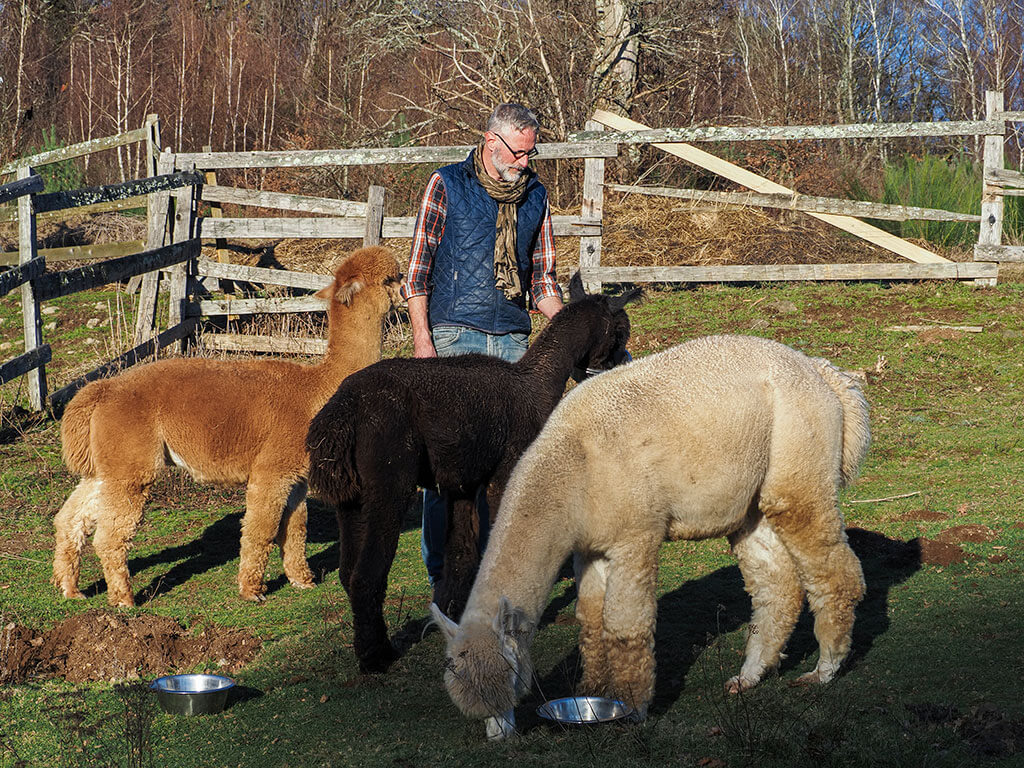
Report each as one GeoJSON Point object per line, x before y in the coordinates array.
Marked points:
{"type": "Point", "coordinates": [451, 340]}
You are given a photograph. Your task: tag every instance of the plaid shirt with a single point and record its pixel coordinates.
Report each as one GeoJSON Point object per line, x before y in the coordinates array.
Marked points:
{"type": "Point", "coordinates": [430, 228]}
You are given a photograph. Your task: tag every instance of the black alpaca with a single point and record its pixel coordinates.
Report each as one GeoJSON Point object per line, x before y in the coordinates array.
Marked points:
{"type": "Point", "coordinates": [454, 423]}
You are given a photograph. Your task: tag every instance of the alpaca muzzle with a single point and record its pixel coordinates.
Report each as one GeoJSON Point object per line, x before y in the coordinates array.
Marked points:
{"type": "Point", "coordinates": [501, 727]}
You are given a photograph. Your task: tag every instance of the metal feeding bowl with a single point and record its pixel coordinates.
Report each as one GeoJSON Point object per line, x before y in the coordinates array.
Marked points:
{"type": "Point", "coordinates": [192, 694]}
{"type": "Point", "coordinates": [580, 710]}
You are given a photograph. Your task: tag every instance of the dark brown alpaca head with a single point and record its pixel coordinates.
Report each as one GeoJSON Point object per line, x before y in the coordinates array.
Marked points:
{"type": "Point", "coordinates": [610, 349]}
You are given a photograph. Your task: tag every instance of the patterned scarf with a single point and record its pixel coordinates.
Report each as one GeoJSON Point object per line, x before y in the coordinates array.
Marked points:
{"type": "Point", "coordinates": [508, 195]}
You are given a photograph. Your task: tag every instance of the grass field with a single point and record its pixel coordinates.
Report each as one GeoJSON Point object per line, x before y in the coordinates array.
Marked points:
{"type": "Point", "coordinates": [938, 659]}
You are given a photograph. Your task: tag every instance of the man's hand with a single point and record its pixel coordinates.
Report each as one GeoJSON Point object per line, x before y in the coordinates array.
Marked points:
{"type": "Point", "coordinates": [549, 306]}
{"type": "Point", "coordinates": [423, 347]}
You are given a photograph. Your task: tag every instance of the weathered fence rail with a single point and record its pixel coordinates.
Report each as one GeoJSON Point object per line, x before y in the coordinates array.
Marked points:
{"type": "Point", "coordinates": [794, 132]}
{"type": "Point", "coordinates": [318, 158]}
{"type": "Point", "coordinates": [58, 201]}
{"type": "Point", "coordinates": [15, 277]}
{"type": "Point", "coordinates": [807, 203]}
{"type": "Point", "coordinates": [20, 187]}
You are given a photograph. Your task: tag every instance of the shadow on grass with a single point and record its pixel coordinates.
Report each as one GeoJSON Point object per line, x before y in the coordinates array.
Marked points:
{"type": "Point", "coordinates": [219, 544]}
{"type": "Point", "coordinates": [701, 610]}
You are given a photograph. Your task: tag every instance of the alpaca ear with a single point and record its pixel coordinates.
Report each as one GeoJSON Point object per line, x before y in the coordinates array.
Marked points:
{"type": "Point", "coordinates": [510, 622]}
{"type": "Point", "coordinates": [620, 301]}
{"type": "Point", "coordinates": [346, 292]}
{"type": "Point", "coordinates": [576, 291]}
{"type": "Point", "coordinates": [448, 627]}
{"type": "Point", "coordinates": [325, 293]}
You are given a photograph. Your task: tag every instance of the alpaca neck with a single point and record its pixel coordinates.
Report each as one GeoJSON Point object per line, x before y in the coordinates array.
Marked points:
{"type": "Point", "coordinates": [521, 562]}
{"type": "Point", "coordinates": [355, 339]}
{"type": "Point", "coordinates": [556, 351]}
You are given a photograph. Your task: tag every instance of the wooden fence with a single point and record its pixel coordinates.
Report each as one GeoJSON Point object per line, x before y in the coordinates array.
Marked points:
{"type": "Point", "coordinates": [342, 219]}
{"type": "Point", "coordinates": [840, 213]}
{"type": "Point", "coordinates": [37, 285]}
{"type": "Point", "coordinates": [180, 182]}
{"type": "Point", "coordinates": [132, 195]}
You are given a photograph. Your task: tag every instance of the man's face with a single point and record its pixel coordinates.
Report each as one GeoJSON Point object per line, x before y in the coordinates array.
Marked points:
{"type": "Point", "coordinates": [510, 151]}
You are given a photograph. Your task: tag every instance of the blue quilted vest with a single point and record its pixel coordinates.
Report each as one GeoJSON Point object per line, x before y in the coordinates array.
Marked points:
{"type": "Point", "coordinates": [463, 291]}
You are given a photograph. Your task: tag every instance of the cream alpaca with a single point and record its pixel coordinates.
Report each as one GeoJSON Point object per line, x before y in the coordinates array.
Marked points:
{"type": "Point", "coordinates": [225, 422]}
{"type": "Point", "coordinates": [721, 436]}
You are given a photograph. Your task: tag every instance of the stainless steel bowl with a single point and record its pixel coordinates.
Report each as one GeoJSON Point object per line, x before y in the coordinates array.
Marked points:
{"type": "Point", "coordinates": [192, 694]}
{"type": "Point", "coordinates": [578, 710]}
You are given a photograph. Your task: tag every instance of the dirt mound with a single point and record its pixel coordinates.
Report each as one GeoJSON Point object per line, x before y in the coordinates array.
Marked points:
{"type": "Point", "coordinates": [102, 645]}
{"type": "Point", "coordinates": [972, 533]}
{"type": "Point", "coordinates": [942, 553]}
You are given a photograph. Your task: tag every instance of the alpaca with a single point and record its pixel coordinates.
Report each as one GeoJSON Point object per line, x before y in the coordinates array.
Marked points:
{"type": "Point", "coordinates": [731, 436]}
{"type": "Point", "coordinates": [225, 422]}
{"type": "Point", "coordinates": [455, 423]}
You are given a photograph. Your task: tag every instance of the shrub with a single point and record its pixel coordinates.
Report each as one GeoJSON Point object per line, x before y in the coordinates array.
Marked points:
{"type": "Point", "coordinates": [62, 175]}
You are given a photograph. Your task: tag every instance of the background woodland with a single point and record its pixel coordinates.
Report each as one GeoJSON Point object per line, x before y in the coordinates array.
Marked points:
{"type": "Point", "coordinates": [277, 74]}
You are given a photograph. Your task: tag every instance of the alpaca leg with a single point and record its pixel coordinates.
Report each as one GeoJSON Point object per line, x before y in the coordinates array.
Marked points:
{"type": "Point", "coordinates": [369, 540]}
{"type": "Point", "coordinates": [591, 583]}
{"type": "Point", "coordinates": [461, 556]}
{"type": "Point", "coordinates": [266, 498]}
{"type": "Point", "coordinates": [812, 531]}
{"type": "Point", "coordinates": [291, 537]}
{"type": "Point", "coordinates": [630, 610]}
{"type": "Point", "coordinates": [122, 504]}
{"type": "Point", "coordinates": [770, 578]}
{"type": "Point", "coordinates": [72, 524]}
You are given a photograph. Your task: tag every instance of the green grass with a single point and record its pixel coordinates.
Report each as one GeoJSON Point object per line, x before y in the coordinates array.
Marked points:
{"type": "Point", "coordinates": [935, 673]}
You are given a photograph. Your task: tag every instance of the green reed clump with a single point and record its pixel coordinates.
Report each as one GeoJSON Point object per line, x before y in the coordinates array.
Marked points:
{"type": "Point", "coordinates": [948, 184]}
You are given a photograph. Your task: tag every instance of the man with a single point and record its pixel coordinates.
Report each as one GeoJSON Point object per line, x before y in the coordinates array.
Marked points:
{"type": "Point", "coordinates": [483, 239]}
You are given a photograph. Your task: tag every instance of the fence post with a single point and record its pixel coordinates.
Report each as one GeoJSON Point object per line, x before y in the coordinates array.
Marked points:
{"type": "Point", "coordinates": [32, 320]}
{"type": "Point", "coordinates": [593, 208]}
{"type": "Point", "coordinates": [184, 229]}
{"type": "Point", "coordinates": [217, 212]}
{"type": "Point", "coordinates": [374, 215]}
{"type": "Point", "coordinates": [990, 232]}
{"type": "Point", "coordinates": [152, 126]}
{"type": "Point", "coordinates": [158, 204]}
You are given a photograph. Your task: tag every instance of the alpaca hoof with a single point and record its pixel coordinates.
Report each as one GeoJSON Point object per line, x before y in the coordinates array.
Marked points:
{"type": "Point", "coordinates": [72, 593]}
{"type": "Point", "coordinates": [814, 677]}
{"type": "Point", "coordinates": [302, 584]}
{"type": "Point", "coordinates": [254, 594]}
{"type": "Point", "coordinates": [121, 602]}
{"type": "Point", "coordinates": [379, 661]}
{"type": "Point", "coordinates": [739, 684]}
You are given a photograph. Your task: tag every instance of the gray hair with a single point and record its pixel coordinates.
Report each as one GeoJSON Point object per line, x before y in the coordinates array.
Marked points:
{"type": "Point", "coordinates": [512, 116]}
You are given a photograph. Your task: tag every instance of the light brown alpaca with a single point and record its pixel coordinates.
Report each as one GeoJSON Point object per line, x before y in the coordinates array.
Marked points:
{"type": "Point", "coordinates": [722, 436]}
{"type": "Point", "coordinates": [225, 422]}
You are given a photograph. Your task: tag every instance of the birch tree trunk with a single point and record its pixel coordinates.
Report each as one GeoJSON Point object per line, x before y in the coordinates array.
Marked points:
{"type": "Point", "coordinates": [615, 65]}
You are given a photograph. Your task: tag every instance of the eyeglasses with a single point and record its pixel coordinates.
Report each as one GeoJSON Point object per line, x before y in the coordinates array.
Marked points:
{"type": "Point", "coordinates": [518, 154]}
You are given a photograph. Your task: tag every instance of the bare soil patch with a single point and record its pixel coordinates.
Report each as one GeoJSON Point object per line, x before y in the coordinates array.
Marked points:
{"type": "Point", "coordinates": [960, 533]}
{"type": "Point", "coordinates": [103, 645]}
{"type": "Point", "coordinates": [942, 553]}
